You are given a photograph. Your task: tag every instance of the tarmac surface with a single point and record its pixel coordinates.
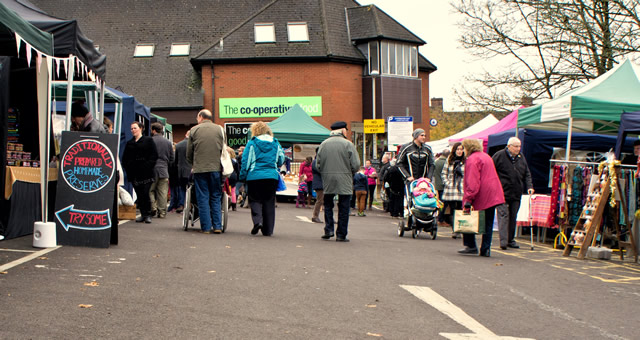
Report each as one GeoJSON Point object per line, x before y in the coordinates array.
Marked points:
{"type": "Point", "coordinates": [162, 282]}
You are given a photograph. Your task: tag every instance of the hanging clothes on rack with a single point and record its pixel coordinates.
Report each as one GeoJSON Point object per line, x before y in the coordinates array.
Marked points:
{"type": "Point", "coordinates": [555, 193]}
{"type": "Point", "coordinates": [576, 203]}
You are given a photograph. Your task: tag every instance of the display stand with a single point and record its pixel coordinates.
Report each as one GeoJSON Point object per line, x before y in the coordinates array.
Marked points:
{"type": "Point", "coordinates": [588, 225]}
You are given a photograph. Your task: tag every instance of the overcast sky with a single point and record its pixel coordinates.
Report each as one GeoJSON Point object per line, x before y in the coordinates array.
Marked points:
{"type": "Point", "coordinates": [434, 22]}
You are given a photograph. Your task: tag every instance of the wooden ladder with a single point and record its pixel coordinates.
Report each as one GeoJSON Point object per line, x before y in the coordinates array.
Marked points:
{"type": "Point", "coordinates": [590, 218]}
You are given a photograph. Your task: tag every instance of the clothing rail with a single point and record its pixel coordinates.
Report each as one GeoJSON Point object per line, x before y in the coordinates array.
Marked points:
{"type": "Point", "coordinates": [589, 163]}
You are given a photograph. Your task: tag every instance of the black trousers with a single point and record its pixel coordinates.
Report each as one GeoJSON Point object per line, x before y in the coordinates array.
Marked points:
{"type": "Point", "coordinates": [343, 214]}
{"type": "Point", "coordinates": [371, 195]}
{"type": "Point", "coordinates": [395, 204]}
{"type": "Point", "coordinates": [143, 200]}
{"type": "Point", "coordinates": [262, 200]}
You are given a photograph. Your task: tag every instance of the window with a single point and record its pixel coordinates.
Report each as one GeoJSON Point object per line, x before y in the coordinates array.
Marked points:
{"type": "Point", "coordinates": [297, 31]}
{"type": "Point", "coordinates": [398, 59]}
{"type": "Point", "coordinates": [384, 57]}
{"type": "Point", "coordinates": [144, 50]}
{"type": "Point", "coordinates": [179, 49]}
{"type": "Point", "coordinates": [265, 33]}
{"type": "Point", "coordinates": [373, 57]}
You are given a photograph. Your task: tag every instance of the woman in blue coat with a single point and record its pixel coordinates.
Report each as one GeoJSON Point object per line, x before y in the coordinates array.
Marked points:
{"type": "Point", "coordinates": [261, 159]}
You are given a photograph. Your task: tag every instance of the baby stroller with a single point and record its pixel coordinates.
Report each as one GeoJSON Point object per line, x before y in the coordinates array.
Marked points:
{"type": "Point", "coordinates": [421, 212]}
{"type": "Point", "coordinates": [190, 213]}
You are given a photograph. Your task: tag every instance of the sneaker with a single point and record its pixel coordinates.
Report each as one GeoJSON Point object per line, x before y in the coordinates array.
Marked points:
{"type": "Point", "coordinates": [139, 219]}
{"type": "Point", "coordinates": [467, 250]}
{"type": "Point", "coordinates": [206, 232]}
{"type": "Point", "coordinates": [217, 231]}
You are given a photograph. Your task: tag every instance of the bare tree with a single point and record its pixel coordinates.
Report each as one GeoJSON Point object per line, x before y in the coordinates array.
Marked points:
{"type": "Point", "coordinates": [551, 46]}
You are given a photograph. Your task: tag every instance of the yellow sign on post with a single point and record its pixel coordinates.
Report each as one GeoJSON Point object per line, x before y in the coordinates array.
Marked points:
{"type": "Point", "coordinates": [374, 126]}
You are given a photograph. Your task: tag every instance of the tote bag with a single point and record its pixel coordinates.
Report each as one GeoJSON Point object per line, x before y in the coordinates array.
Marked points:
{"type": "Point", "coordinates": [225, 159]}
{"type": "Point", "coordinates": [471, 223]}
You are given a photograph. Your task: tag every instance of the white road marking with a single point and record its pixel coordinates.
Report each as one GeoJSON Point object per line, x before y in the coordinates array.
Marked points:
{"type": "Point", "coordinates": [304, 219]}
{"type": "Point", "coordinates": [27, 258]}
{"type": "Point", "coordinates": [447, 308]}
{"type": "Point", "coordinates": [18, 250]}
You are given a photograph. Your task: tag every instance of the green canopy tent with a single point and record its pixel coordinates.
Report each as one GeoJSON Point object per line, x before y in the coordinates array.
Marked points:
{"type": "Point", "coordinates": [296, 126]}
{"type": "Point", "coordinates": [12, 22]}
{"type": "Point", "coordinates": [595, 107]}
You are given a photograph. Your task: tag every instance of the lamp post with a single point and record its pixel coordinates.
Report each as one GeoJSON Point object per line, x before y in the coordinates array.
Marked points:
{"type": "Point", "coordinates": [374, 74]}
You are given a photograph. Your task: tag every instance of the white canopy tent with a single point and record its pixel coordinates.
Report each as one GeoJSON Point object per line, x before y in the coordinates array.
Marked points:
{"type": "Point", "coordinates": [438, 145]}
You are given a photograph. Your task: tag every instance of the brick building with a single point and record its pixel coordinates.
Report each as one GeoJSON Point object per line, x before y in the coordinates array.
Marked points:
{"type": "Point", "coordinates": [180, 56]}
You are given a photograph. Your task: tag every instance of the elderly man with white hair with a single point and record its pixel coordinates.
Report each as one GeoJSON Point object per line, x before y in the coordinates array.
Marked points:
{"type": "Point", "coordinates": [515, 178]}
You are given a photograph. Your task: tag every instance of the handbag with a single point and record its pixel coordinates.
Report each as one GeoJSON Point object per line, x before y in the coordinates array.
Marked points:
{"type": "Point", "coordinates": [469, 223]}
{"type": "Point", "coordinates": [225, 159]}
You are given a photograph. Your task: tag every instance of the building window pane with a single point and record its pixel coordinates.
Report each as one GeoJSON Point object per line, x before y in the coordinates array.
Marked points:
{"type": "Point", "coordinates": [399, 68]}
{"type": "Point", "coordinates": [297, 31]}
{"type": "Point", "coordinates": [392, 58]}
{"type": "Point", "coordinates": [407, 60]}
{"type": "Point", "coordinates": [384, 57]}
{"type": "Point", "coordinates": [179, 50]}
{"type": "Point", "coordinates": [144, 50]}
{"type": "Point", "coordinates": [373, 57]}
{"type": "Point", "coordinates": [265, 33]}
{"type": "Point", "coordinates": [414, 61]}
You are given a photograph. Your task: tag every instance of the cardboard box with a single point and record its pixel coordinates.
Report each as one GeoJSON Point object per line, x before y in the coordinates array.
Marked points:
{"type": "Point", "coordinates": [127, 212]}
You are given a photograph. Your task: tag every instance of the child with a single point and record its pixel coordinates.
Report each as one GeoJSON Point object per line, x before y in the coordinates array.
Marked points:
{"type": "Point", "coordinates": [360, 186]}
{"type": "Point", "coordinates": [303, 188]}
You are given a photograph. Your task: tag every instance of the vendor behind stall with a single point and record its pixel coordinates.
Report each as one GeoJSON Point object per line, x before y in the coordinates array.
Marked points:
{"type": "Point", "coordinates": [82, 119]}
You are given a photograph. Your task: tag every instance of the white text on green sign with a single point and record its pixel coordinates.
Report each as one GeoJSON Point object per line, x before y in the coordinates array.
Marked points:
{"type": "Point", "coordinates": [267, 106]}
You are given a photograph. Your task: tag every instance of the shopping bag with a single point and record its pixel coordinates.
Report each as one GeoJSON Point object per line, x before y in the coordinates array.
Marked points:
{"type": "Point", "coordinates": [225, 159]}
{"type": "Point", "coordinates": [469, 223]}
{"type": "Point", "coordinates": [282, 186]}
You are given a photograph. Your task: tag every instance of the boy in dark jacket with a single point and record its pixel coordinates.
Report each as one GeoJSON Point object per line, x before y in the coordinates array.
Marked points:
{"type": "Point", "coordinates": [360, 186]}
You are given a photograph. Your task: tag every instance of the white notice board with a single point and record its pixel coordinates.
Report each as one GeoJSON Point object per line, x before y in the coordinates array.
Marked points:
{"type": "Point", "coordinates": [399, 131]}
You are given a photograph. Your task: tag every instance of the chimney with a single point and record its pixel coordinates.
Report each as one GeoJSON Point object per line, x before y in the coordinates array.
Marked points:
{"type": "Point", "coordinates": [437, 104]}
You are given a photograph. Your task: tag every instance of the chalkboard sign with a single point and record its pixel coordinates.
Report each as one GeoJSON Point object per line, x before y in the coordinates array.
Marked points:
{"type": "Point", "coordinates": [86, 189]}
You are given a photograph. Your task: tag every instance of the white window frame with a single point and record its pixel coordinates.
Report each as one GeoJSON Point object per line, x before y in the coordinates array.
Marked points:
{"type": "Point", "coordinates": [144, 50]}
{"type": "Point", "coordinates": [373, 67]}
{"type": "Point", "coordinates": [261, 33]}
{"type": "Point", "coordinates": [295, 31]}
{"type": "Point", "coordinates": [178, 50]}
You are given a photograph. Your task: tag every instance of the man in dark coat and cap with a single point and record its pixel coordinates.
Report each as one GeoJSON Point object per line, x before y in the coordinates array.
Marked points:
{"type": "Point", "coordinates": [83, 120]}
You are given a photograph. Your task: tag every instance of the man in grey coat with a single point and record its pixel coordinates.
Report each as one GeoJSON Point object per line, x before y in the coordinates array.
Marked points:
{"type": "Point", "coordinates": [337, 160]}
{"type": "Point", "coordinates": [160, 188]}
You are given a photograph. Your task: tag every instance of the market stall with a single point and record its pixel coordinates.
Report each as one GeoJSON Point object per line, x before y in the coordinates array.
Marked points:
{"type": "Point", "coordinates": [507, 123]}
{"type": "Point", "coordinates": [438, 145]}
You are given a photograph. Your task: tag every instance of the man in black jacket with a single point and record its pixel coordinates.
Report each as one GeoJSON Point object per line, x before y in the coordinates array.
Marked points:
{"type": "Point", "coordinates": [415, 160]}
{"type": "Point", "coordinates": [515, 178]}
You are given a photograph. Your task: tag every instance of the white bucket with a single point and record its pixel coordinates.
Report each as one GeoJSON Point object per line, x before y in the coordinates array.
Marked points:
{"type": "Point", "coordinates": [44, 234]}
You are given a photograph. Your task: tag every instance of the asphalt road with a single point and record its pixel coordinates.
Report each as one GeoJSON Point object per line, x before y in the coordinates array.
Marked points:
{"type": "Point", "coordinates": [162, 282]}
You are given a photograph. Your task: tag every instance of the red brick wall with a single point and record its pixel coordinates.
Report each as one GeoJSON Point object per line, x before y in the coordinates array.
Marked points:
{"type": "Point", "coordinates": [339, 85]}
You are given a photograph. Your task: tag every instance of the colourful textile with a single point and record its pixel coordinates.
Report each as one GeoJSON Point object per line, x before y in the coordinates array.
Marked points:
{"type": "Point", "coordinates": [539, 208]}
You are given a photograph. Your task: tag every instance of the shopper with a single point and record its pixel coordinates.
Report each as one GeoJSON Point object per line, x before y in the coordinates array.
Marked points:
{"type": "Point", "coordinates": [317, 187]}
{"type": "Point", "coordinates": [515, 178]}
{"type": "Point", "coordinates": [307, 171]}
{"type": "Point", "coordinates": [83, 120]}
{"type": "Point", "coordinates": [415, 159]}
{"type": "Point", "coordinates": [337, 161]}
{"type": "Point", "coordinates": [372, 177]}
{"type": "Point", "coordinates": [393, 177]}
{"type": "Point", "coordinates": [160, 188]}
{"type": "Point", "coordinates": [361, 187]}
{"type": "Point", "coordinates": [139, 159]}
{"type": "Point", "coordinates": [452, 179]}
{"type": "Point", "coordinates": [184, 171]}
{"type": "Point", "coordinates": [482, 191]}
{"type": "Point", "coordinates": [261, 159]}
{"type": "Point", "coordinates": [204, 149]}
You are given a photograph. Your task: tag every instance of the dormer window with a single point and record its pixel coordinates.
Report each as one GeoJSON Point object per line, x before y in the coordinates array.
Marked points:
{"type": "Point", "coordinates": [298, 32]}
{"type": "Point", "coordinates": [144, 50]}
{"type": "Point", "coordinates": [265, 33]}
{"type": "Point", "coordinates": [179, 50]}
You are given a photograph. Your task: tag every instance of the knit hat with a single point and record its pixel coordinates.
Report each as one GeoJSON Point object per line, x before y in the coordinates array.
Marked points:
{"type": "Point", "coordinates": [417, 132]}
{"type": "Point", "coordinates": [78, 110]}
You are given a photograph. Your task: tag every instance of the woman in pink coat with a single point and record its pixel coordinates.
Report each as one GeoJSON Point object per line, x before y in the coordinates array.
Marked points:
{"type": "Point", "coordinates": [483, 191]}
{"type": "Point", "coordinates": [305, 169]}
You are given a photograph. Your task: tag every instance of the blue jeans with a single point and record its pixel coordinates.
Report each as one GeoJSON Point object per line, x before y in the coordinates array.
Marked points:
{"type": "Point", "coordinates": [343, 214]}
{"type": "Point", "coordinates": [208, 195]}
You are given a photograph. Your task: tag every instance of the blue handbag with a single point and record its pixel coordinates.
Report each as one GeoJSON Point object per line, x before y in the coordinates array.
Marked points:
{"type": "Point", "coordinates": [281, 185]}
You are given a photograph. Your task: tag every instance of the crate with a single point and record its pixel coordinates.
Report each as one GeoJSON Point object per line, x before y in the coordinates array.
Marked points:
{"type": "Point", "coordinates": [127, 212]}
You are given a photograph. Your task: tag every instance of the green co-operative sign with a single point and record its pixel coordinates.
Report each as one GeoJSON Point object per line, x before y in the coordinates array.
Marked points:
{"type": "Point", "coordinates": [267, 106]}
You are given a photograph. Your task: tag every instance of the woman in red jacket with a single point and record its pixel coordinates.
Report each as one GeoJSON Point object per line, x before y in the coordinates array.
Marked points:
{"type": "Point", "coordinates": [305, 169]}
{"type": "Point", "coordinates": [483, 191]}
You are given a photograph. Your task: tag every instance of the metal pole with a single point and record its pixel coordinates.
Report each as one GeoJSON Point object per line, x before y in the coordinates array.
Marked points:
{"type": "Point", "coordinates": [566, 157]}
{"type": "Point", "coordinates": [375, 139]}
{"type": "Point", "coordinates": [70, 74]}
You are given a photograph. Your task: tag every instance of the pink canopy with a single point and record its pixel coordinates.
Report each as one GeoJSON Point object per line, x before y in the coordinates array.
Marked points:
{"type": "Point", "coordinates": [508, 122]}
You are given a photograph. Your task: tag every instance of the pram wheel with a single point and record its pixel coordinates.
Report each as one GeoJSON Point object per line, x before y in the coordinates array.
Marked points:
{"type": "Point", "coordinates": [434, 229]}
{"type": "Point", "coordinates": [187, 213]}
{"type": "Point", "coordinates": [415, 233]}
{"type": "Point", "coordinates": [401, 228]}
